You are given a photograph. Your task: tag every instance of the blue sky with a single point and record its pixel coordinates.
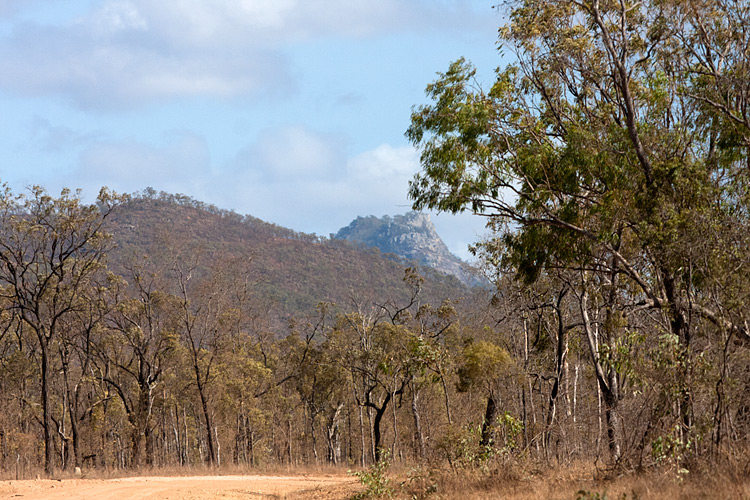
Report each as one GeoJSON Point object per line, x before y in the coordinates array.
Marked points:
{"type": "Point", "coordinates": [292, 111]}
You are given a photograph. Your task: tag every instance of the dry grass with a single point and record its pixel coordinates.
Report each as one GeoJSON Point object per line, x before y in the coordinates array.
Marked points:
{"type": "Point", "coordinates": [574, 482]}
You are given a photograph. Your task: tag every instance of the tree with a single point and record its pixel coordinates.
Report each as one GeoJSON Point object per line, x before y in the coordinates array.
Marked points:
{"type": "Point", "coordinates": [136, 353]}
{"type": "Point", "coordinates": [375, 346]}
{"type": "Point", "coordinates": [50, 248]}
{"type": "Point", "coordinates": [80, 333]}
{"type": "Point", "coordinates": [205, 306]}
{"type": "Point", "coordinates": [615, 142]}
{"type": "Point", "coordinates": [489, 367]}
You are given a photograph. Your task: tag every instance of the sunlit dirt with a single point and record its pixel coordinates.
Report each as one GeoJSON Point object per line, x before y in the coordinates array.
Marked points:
{"type": "Point", "coordinates": [327, 487]}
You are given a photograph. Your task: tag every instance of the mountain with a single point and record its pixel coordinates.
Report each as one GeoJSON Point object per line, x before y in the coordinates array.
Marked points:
{"type": "Point", "coordinates": [292, 272]}
{"type": "Point", "coordinates": [412, 236]}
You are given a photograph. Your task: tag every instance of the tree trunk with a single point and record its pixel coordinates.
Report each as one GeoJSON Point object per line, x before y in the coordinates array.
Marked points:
{"type": "Point", "coordinates": [373, 455]}
{"type": "Point", "coordinates": [148, 434]}
{"type": "Point", "coordinates": [608, 385]}
{"type": "Point", "coordinates": [206, 415]}
{"type": "Point", "coordinates": [289, 441]}
{"type": "Point", "coordinates": [313, 437]}
{"type": "Point", "coordinates": [418, 436]}
{"type": "Point", "coordinates": [71, 398]}
{"type": "Point", "coordinates": [488, 424]}
{"type": "Point", "coordinates": [135, 442]}
{"type": "Point", "coordinates": [560, 359]}
{"type": "Point", "coordinates": [362, 438]}
{"type": "Point", "coordinates": [446, 397]}
{"type": "Point", "coordinates": [332, 436]}
{"type": "Point", "coordinates": [376, 431]}
{"type": "Point", "coordinates": [46, 416]}
{"type": "Point", "coordinates": [75, 437]}
{"type": "Point", "coordinates": [681, 329]}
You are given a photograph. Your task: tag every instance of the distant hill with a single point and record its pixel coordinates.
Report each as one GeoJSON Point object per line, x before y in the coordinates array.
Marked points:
{"type": "Point", "coordinates": [412, 236]}
{"type": "Point", "coordinates": [292, 271]}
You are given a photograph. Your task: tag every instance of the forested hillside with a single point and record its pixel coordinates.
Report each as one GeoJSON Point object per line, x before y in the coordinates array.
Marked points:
{"type": "Point", "coordinates": [291, 271]}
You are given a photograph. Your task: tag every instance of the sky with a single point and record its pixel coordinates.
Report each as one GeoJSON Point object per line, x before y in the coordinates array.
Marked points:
{"type": "Point", "coordinates": [292, 111]}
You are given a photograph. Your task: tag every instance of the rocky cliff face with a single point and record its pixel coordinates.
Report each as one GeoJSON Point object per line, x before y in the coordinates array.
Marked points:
{"type": "Point", "coordinates": [412, 236]}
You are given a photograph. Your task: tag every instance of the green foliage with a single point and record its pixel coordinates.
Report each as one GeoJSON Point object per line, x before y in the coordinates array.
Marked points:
{"type": "Point", "coordinates": [484, 364]}
{"type": "Point", "coordinates": [509, 428]}
{"type": "Point", "coordinates": [375, 479]}
{"type": "Point", "coordinates": [575, 175]}
{"type": "Point", "coordinates": [462, 449]}
{"type": "Point", "coordinates": [612, 152]}
{"type": "Point", "coordinates": [623, 357]}
{"type": "Point", "coordinates": [671, 448]}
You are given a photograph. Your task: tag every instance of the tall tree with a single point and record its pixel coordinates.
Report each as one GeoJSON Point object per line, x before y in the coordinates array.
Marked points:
{"type": "Point", "coordinates": [138, 351]}
{"type": "Point", "coordinates": [205, 308]}
{"type": "Point", "coordinates": [49, 250]}
{"type": "Point", "coordinates": [615, 141]}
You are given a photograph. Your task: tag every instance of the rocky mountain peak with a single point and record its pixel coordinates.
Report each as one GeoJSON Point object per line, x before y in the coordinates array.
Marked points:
{"type": "Point", "coordinates": [412, 236]}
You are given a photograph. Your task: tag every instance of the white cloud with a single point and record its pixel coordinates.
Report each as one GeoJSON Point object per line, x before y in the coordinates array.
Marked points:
{"type": "Point", "coordinates": [292, 176]}
{"type": "Point", "coordinates": [118, 56]}
{"type": "Point", "coordinates": [10, 7]}
{"type": "Point", "coordinates": [374, 182]}
{"type": "Point", "coordinates": [116, 17]}
{"type": "Point", "coordinates": [385, 163]}
{"type": "Point", "coordinates": [126, 52]}
{"type": "Point", "coordinates": [111, 76]}
{"type": "Point", "coordinates": [56, 138]}
{"type": "Point", "coordinates": [278, 22]}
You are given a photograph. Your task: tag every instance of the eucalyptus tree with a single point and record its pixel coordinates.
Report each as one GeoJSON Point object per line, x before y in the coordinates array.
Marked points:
{"type": "Point", "coordinates": [370, 351]}
{"type": "Point", "coordinates": [81, 332]}
{"type": "Point", "coordinates": [614, 142]}
{"type": "Point", "coordinates": [50, 248]}
{"type": "Point", "coordinates": [376, 346]}
{"type": "Point", "coordinates": [138, 350]}
{"type": "Point", "coordinates": [429, 361]}
{"type": "Point", "coordinates": [321, 385]}
{"type": "Point", "coordinates": [208, 304]}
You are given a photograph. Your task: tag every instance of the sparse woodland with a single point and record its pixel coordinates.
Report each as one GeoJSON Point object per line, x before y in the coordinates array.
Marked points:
{"type": "Point", "coordinates": [611, 159]}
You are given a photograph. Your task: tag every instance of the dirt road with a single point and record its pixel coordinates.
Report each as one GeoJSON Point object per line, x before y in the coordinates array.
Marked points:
{"type": "Point", "coordinates": [329, 487]}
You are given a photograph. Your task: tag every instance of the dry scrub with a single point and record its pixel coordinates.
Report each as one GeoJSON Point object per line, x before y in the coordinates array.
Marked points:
{"type": "Point", "coordinates": [577, 482]}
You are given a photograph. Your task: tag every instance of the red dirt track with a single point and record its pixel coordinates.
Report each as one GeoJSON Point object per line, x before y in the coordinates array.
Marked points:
{"type": "Point", "coordinates": [324, 487]}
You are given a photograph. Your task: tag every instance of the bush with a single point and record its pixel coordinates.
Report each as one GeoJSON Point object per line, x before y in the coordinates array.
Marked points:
{"type": "Point", "coordinates": [375, 479]}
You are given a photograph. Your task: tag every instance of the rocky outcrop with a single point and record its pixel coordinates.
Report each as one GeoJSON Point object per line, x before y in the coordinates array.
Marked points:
{"type": "Point", "coordinates": [411, 236]}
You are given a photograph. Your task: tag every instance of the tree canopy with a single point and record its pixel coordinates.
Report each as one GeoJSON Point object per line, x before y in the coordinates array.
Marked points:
{"type": "Point", "coordinates": [612, 153]}
{"type": "Point", "coordinates": [619, 135]}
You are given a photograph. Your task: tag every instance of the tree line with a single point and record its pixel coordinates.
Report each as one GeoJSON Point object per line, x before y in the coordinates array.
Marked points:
{"type": "Point", "coordinates": [174, 358]}
{"type": "Point", "coordinates": [173, 361]}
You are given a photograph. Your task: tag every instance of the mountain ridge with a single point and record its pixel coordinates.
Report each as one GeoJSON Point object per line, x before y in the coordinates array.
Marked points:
{"type": "Point", "coordinates": [292, 271]}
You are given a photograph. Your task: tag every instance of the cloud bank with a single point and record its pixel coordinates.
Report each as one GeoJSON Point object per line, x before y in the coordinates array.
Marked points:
{"type": "Point", "coordinates": [132, 52]}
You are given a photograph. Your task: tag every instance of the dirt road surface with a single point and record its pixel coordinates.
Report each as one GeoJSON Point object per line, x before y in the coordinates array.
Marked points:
{"type": "Point", "coordinates": [326, 487]}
